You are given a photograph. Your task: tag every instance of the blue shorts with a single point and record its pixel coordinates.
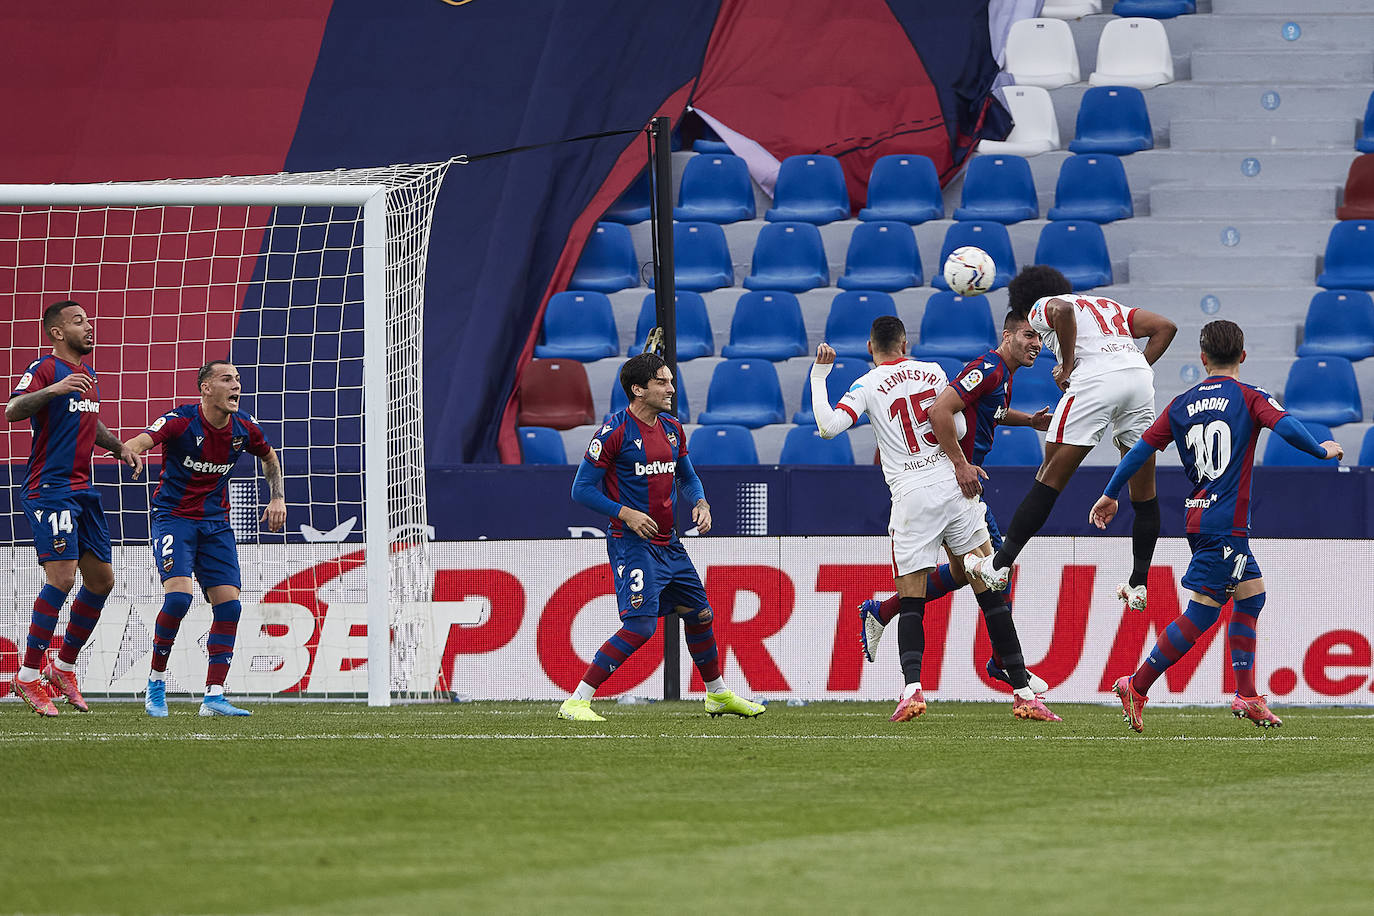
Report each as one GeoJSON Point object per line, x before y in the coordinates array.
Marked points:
{"type": "Point", "coordinates": [653, 579]}
{"type": "Point", "coordinates": [182, 546]}
{"type": "Point", "coordinates": [994, 533]}
{"type": "Point", "coordinates": [1220, 563]}
{"type": "Point", "coordinates": [67, 525]}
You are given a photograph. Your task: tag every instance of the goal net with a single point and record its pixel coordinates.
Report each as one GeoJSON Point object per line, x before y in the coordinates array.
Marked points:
{"type": "Point", "coordinates": [312, 285]}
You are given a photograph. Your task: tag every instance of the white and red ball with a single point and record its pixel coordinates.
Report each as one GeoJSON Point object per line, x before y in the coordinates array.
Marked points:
{"type": "Point", "coordinates": [970, 271]}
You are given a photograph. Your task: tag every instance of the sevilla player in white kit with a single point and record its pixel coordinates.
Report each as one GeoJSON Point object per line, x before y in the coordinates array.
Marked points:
{"type": "Point", "coordinates": [1107, 382]}
{"type": "Point", "coordinates": [928, 508]}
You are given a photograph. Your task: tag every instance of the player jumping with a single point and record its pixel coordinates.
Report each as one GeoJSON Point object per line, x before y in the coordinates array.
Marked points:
{"type": "Point", "coordinates": [632, 471]}
{"type": "Point", "coordinates": [1215, 424]}
{"type": "Point", "coordinates": [190, 523]}
{"type": "Point", "coordinates": [60, 397]}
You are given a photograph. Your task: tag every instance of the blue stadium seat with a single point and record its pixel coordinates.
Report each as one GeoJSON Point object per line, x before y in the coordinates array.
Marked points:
{"type": "Point", "coordinates": [619, 401]}
{"type": "Point", "coordinates": [991, 237]}
{"type": "Point", "coordinates": [851, 317]}
{"type": "Point", "coordinates": [1367, 449]}
{"type": "Point", "coordinates": [1079, 250]}
{"type": "Point", "coordinates": [789, 256]}
{"type": "Point", "coordinates": [608, 263]}
{"type": "Point", "coordinates": [1154, 9]}
{"type": "Point", "coordinates": [715, 189]}
{"type": "Point", "coordinates": [1014, 446]}
{"type": "Point", "coordinates": [710, 147]}
{"type": "Point", "coordinates": [1340, 322]}
{"type": "Point", "coordinates": [804, 445]}
{"type": "Point", "coordinates": [701, 257]}
{"type": "Point", "coordinates": [722, 443]}
{"type": "Point", "coordinates": [1112, 119]}
{"type": "Point", "coordinates": [881, 256]}
{"type": "Point", "coordinates": [541, 445]}
{"type": "Point", "coordinates": [767, 325]}
{"type": "Point", "coordinates": [1322, 389]}
{"type": "Point", "coordinates": [905, 188]}
{"type": "Point", "coordinates": [744, 392]}
{"type": "Point", "coordinates": [579, 325]}
{"type": "Point", "coordinates": [957, 326]}
{"type": "Point", "coordinates": [810, 189]}
{"type": "Point", "coordinates": [1365, 142]}
{"type": "Point", "coordinates": [1279, 453]}
{"type": "Point", "coordinates": [1349, 262]}
{"type": "Point", "coordinates": [843, 374]}
{"type": "Point", "coordinates": [633, 205]}
{"type": "Point", "coordinates": [1033, 386]}
{"type": "Point", "coordinates": [554, 392]}
{"type": "Point", "coordinates": [694, 337]}
{"type": "Point", "coordinates": [1092, 186]}
{"type": "Point", "coordinates": [952, 365]}
{"type": "Point", "coordinates": [998, 188]}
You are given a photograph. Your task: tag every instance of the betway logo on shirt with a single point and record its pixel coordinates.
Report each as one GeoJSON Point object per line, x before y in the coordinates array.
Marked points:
{"type": "Point", "coordinates": [655, 467]}
{"type": "Point", "coordinates": [206, 467]}
{"type": "Point", "coordinates": [83, 406]}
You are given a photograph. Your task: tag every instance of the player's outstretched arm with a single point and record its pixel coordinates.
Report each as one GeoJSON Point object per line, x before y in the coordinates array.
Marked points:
{"type": "Point", "coordinates": [1105, 508]}
{"type": "Point", "coordinates": [829, 422]}
{"type": "Point", "coordinates": [1039, 420]}
{"type": "Point", "coordinates": [108, 440]}
{"type": "Point", "coordinates": [23, 406]}
{"type": "Point", "coordinates": [275, 513]}
{"type": "Point", "coordinates": [136, 447]}
{"type": "Point", "coordinates": [1295, 434]}
{"type": "Point", "coordinates": [1157, 328]}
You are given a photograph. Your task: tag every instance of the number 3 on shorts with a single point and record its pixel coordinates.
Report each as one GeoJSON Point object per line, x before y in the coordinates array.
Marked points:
{"type": "Point", "coordinates": [636, 580]}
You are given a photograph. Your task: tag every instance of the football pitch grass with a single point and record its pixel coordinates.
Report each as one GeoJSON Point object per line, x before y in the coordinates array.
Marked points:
{"type": "Point", "coordinates": [827, 808]}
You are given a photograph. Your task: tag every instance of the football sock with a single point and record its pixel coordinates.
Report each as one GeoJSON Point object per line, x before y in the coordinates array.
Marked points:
{"type": "Point", "coordinates": [214, 690]}
{"type": "Point", "coordinates": [86, 608]}
{"type": "Point", "coordinates": [940, 583]}
{"type": "Point", "coordinates": [1177, 638]}
{"type": "Point", "coordinates": [174, 608]}
{"type": "Point", "coordinates": [220, 643]}
{"type": "Point", "coordinates": [41, 624]}
{"type": "Point", "coordinates": [701, 645]}
{"type": "Point", "coordinates": [911, 638]}
{"type": "Point", "coordinates": [1002, 633]}
{"type": "Point", "coordinates": [1144, 536]}
{"type": "Point", "coordinates": [584, 691]}
{"type": "Point", "coordinates": [1240, 637]}
{"type": "Point", "coordinates": [1029, 518]}
{"type": "Point", "coordinates": [715, 686]}
{"type": "Point", "coordinates": [157, 675]}
{"type": "Point", "coordinates": [910, 688]}
{"type": "Point", "coordinates": [633, 633]}
{"type": "Point", "coordinates": [889, 609]}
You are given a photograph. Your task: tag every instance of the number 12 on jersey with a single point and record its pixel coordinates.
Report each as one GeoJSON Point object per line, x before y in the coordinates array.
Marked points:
{"type": "Point", "coordinates": [1102, 310]}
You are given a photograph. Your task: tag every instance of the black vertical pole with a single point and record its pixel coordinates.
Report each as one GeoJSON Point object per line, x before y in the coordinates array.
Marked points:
{"type": "Point", "coordinates": [665, 310]}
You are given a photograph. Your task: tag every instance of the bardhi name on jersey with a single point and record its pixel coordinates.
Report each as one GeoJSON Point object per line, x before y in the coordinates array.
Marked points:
{"type": "Point", "coordinates": [641, 468]}
{"type": "Point", "coordinates": [63, 429]}
{"type": "Point", "coordinates": [197, 459]}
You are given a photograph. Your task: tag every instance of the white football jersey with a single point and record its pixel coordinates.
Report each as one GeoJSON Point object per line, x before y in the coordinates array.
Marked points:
{"type": "Point", "coordinates": [896, 397]}
{"type": "Point", "coordinates": [1104, 340]}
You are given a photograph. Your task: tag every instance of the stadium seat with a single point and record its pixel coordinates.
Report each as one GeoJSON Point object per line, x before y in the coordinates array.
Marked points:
{"type": "Point", "coordinates": [1092, 186]}
{"type": "Point", "coordinates": [1366, 458]}
{"type": "Point", "coordinates": [991, 237]}
{"type": "Point", "coordinates": [1000, 189]}
{"type": "Point", "coordinates": [843, 374]}
{"type": "Point", "coordinates": [851, 318]}
{"type": "Point", "coordinates": [619, 401]}
{"type": "Point", "coordinates": [1035, 127]}
{"type": "Point", "coordinates": [1155, 9]}
{"type": "Point", "coordinates": [715, 189]}
{"type": "Point", "coordinates": [1133, 52]}
{"type": "Point", "coordinates": [789, 256]}
{"type": "Point", "coordinates": [1112, 119]}
{"type": "Point", "coordinates": [809, 189]}
{"type": "Point", "coordinates": [1079, 250]}
{"type": "Point", "coordinates": [1034, 387]}
{"type": "Point", "coordinates": [701, 257]}
{"type": "Point", "coordinates": [1358, 200]}
{"type": "Point", "coordinates": [1014, 446]}
{"type": "Point", "coordinates": [1070, 9]}
{"type": "Point", "coordinates": [608, 263]}
{"type": "Point", "coordinates": [1349, 262]}
{"type": "Point", "coordinates": [950, 364]}
{"type": "Point", "coordinates": [805, 445]}
{"type": "Point", "coordinates": [745, 392]}
{"type": "Point", "coordinates": [722, 443]}
{"type": "Point", "coordinates": [579, 325]}
{"type": "Point", "coordinates": [1322, 389]}
{"type": "Point", "coordinates": [767, 325]}
{"type": "Point", "coordinates": [709, 142]}
{"type": "Point", "coordinates": [1041, 52]}
{"type": "Point", "coordinates": [1340, 322]}
{"type": "Point", "coordinates": [956, 326]}
{"type": "Point", "coordinates": [1365, 142]}
{"type": "Point", "coordinates": [632, 206]}
{"type": "Point", "coordinates": [882, 256]}
{"type": "Point", "coordinates": [694, 337]}
{"type": "Point", "coordinates": [541, 445]}
{"type": "Point", "coordinates": [555, 393]}
{"type": "Point", "coordinates": [1279, 453]}
{"type": "Point", "coordinates": [905, 188]}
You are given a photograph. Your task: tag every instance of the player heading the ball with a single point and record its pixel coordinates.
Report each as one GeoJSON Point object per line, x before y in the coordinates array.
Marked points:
{"type": "Point", "coordinates": [190, 523]}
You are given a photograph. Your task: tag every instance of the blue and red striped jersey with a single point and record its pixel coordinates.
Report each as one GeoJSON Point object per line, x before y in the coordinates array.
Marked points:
{"type": "Point", "coordinates": [197, 459]}
{"type": "Point", "coordinates": [63, 429]}
{"type": "Point", "coordinates": [1216, 424]}
{"type": "Point", "coordinates": [641, 468]}
{"type": "Point", "coordinates": [984, 385]}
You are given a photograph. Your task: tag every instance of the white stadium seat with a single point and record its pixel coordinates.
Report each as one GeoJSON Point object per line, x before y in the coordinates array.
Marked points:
{"type": "Point", "coordinates": [1041, 52]}
{"type": "Point", "coordinates": [1036, 129]}
{"type": "Point", "coordinates": [1133, 52]}
{"type": "Point", "coordinates": [1070, 9]}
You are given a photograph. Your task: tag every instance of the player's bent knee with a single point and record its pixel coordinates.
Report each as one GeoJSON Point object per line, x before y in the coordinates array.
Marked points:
{"type": "Point", "coordinates": [703, 615]}
{"type": "Point", "coordinates": [640, 626]}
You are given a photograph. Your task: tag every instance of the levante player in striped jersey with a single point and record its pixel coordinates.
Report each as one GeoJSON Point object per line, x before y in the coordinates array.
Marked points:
{"type": "Point", "coordinates": [1215, 424]}
{"type": "Point", "coordinates": [60, 397]}
{"type": "Point", "coordinates": [190, 523]}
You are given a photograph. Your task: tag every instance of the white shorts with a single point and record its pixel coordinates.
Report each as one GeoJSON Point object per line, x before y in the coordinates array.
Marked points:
{"type": "Point", "coordinates": [924, 519]}
{"type": "Point", "coordinates": [1124, 399]}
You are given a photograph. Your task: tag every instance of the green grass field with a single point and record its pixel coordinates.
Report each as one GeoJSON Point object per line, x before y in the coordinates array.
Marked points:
{"type": "Point", "coordinates": [828, 808]}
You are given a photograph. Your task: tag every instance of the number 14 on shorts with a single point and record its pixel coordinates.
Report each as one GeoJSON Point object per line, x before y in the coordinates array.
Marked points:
{"type": "Point", "coordinates": [59, 521]}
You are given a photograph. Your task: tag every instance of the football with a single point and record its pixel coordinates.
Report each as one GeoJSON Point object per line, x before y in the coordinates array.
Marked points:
{"type": "Point", "coordinates": [970, 271]}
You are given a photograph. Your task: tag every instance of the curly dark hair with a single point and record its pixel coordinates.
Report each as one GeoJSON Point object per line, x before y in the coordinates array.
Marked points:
{"type": "Point", "coordinates": [1033, 284]}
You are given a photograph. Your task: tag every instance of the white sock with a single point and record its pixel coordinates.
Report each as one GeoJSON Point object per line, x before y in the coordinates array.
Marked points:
{"type": "Point", "coordinates": [584, 691]}
{"type": "Point", "coordinates": [910, 689]}
{"type": "Point", "coordinates": [157, 675]}
{"type": "Point", "coordinates": [60, 665]}
{"type": "Point", "coordinates": [214, 690]}
{"type": "Point", "coordinates": [715, 686]}
{"type": "Point", "coordinates": [1024, 693]}
{"type": "Point", "coordinates": [27, 674]}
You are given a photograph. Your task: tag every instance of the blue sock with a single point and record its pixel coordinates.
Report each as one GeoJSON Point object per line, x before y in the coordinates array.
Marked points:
{"type": "Point", "coordinates": [940, 583]}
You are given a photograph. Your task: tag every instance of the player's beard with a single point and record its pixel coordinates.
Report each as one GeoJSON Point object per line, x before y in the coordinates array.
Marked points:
{"type": "Point", "coordinates": [83, 346]}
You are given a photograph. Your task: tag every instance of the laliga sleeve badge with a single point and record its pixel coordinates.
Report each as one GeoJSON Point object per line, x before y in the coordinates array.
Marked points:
{"type": "Point", "coordinates": [594, 449]}
{"type": "Point", "coordinates": [972, 380]}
